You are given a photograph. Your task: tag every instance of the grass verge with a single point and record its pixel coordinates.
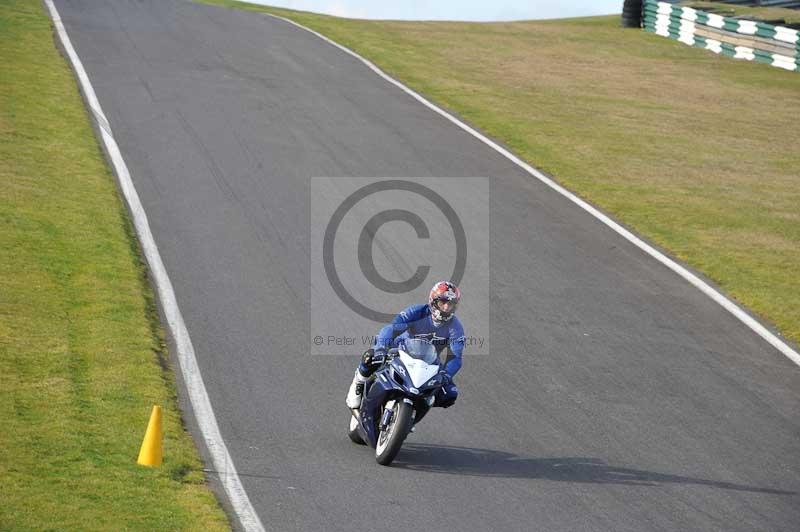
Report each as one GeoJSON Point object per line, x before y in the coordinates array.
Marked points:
{"type": "Point", "coordinates": [80, 344]}
{"type": "Point", "coordinates": [695, 151]}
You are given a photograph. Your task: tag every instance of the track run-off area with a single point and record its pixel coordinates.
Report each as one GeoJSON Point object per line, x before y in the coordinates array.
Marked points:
{"type": "Point", "coordinates": [616, 395]}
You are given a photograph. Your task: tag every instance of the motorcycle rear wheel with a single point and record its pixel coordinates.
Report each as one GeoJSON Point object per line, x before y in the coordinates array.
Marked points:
{"type": "Point", "coordinates": [391, 439]}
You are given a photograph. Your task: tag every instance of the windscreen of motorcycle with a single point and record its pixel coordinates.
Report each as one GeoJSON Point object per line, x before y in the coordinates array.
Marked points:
{"type": "Point", "coordinates": [420, 349]}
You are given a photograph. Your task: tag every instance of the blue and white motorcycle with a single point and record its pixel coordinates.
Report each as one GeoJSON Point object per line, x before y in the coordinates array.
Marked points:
{"type": "Point", "coordinates": [396, 397]}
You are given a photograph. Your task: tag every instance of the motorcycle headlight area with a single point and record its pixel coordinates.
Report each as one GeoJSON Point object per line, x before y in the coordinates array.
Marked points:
{"type": "Point", "coordinates": [397, 376]}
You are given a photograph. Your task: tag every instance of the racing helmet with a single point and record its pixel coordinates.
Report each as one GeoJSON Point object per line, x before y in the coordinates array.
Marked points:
{"type": "Point", "coordinates": [443, 300]}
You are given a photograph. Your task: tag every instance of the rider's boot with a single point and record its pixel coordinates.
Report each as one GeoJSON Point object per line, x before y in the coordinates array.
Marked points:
{"type": "Point", "coordinates": [356, 391]}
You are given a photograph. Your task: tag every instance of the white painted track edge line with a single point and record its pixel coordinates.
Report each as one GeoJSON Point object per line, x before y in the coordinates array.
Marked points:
{"type": "Point", "coordinates": [201, 404]}
{"type": "Point", "coordinates": [704, 287]}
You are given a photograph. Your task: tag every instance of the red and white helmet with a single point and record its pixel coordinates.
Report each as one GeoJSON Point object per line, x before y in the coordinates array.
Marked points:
{"type": "Point", "coordinates": [443, 300]}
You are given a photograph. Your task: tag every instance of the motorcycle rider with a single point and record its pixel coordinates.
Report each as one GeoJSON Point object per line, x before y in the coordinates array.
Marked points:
{"type": "Point", "coordinates": [435, 322]}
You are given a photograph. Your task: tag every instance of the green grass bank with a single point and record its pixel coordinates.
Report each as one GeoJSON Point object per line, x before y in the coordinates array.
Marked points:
{"type": "Point", "coordinates": [80, 344]}
{"type": "Point", "coordinates": [694, 151]}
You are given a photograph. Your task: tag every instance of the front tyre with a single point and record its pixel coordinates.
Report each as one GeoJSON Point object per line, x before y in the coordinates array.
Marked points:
{"type": "Point", "coordinates": [391, 439]}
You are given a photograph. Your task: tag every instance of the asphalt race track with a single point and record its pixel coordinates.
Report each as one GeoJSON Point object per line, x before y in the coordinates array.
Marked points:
{"type": "Point", "coordinates": [616, 396]}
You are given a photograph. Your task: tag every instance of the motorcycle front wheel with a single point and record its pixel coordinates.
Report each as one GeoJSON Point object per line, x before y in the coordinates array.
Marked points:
{"type": "Point", "coordinates": [391, 439]}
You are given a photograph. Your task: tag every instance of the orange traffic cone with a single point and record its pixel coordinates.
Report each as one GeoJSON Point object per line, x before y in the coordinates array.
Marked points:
{"type": "Point", "coordinates": [151, 453]}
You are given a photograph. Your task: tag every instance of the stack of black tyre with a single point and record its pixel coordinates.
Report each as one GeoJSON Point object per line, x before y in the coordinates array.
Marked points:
{"type": "Point", "coordinates": [632, 14]}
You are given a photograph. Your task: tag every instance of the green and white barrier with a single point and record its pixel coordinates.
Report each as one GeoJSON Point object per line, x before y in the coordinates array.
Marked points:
{"type": "Point", "coordinates": [742, 39]}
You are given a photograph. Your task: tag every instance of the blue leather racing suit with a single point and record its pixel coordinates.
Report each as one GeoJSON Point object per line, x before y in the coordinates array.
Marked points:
{"type": "Point", "coordinates": [416, 322]}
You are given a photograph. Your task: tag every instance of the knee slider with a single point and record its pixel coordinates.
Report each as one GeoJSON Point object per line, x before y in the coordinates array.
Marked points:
{"type": "Point", "coordinates": [446, 396]}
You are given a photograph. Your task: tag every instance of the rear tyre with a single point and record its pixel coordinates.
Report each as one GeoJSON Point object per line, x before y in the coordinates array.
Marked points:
{"type": "Point", "coordinates": [391, 439]}
{"type": "Point", "coordinates": [352, 432]}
